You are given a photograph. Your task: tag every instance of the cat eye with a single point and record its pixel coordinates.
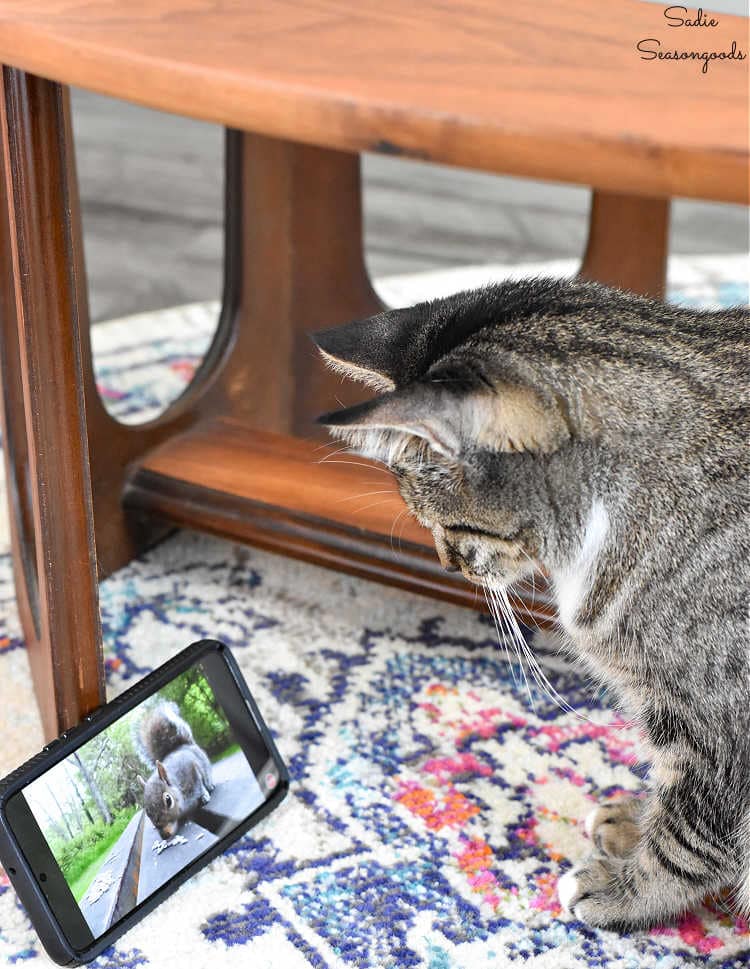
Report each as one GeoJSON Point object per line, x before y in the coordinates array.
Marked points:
{"type": "Point", "coordinates": [485, 533]}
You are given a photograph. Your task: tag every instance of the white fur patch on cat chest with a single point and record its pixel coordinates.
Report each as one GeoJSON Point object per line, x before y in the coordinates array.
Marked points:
{"type": "Point", "coordinates": [573, 582]}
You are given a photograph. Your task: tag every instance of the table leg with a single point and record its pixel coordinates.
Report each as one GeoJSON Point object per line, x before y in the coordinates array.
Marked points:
{"type": "Point", "coordinates": [293, 263]}
{"type": "Point", "coordinates": [628, 242]}
{"type": "Point", "coordinates": [44, 419]}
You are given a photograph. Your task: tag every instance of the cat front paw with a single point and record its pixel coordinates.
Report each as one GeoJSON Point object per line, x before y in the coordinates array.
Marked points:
{"type": "Point", "coordinates": [613, 826]}
{"type": "Point", "coordinates": [592, 892]}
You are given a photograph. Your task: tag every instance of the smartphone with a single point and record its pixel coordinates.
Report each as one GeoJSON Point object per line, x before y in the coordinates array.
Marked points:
{"type": "Point", "coordinates": [110, 818]}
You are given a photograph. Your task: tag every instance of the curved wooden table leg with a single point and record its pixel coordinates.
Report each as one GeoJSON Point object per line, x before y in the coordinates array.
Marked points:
{"type": "Point", "coordinates": [44, 426]}
{"type": "Point", "coordinates": [294, 264]}
{"type": "Point", "coordinates": [628, 243]}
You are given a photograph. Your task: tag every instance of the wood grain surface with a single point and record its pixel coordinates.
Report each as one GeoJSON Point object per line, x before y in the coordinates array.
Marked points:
{"type": "Point", "coordinates": [550, 90]}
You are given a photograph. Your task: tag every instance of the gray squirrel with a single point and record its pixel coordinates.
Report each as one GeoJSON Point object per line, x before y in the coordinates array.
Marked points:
{"type": "Point", "coordinates": [182, 779]}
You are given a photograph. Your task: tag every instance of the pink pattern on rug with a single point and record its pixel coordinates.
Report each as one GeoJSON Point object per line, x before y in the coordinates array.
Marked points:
{"type": "Point", "coordinates": [545, 899]}
{"type": "Point", "coordinates": [693, 932]}
{"type": "Point", "coordinates": [443, 768]}
{"type": "Point", "coordinates": [619, 746]}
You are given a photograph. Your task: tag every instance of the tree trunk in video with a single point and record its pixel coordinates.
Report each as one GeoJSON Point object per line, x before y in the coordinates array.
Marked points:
{"type": "Point", "coordinates": [63, 815]}
{"type": "Point", "coordinates": [77, 791]}
{"type": "Point", "coordinates": [94, 788]}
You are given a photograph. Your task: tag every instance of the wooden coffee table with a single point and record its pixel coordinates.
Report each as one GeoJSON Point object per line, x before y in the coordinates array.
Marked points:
{"type": "Point", "coordinates": [552, 90]}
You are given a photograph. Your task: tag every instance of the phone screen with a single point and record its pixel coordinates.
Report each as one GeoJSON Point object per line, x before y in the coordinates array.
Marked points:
{"type": "Point", "coordinates": [132, 806]}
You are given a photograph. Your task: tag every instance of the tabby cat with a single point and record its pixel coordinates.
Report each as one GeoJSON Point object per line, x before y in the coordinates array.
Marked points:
{"type": "Point", "coordinates": [603, 437]}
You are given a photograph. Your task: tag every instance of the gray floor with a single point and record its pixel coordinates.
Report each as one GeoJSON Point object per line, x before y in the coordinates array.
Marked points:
{"type": "Point", "coordinates": [151, 192]}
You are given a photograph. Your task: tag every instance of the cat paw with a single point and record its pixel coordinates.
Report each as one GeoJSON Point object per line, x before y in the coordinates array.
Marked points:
{"type": "Point", "coordinates": [591, 892]}
{"type": "Point", "coordinates": [613, 826]}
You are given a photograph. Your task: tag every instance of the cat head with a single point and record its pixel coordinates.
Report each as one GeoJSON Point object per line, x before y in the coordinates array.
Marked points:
{"type": "Point", "coordinates": [478, 428]}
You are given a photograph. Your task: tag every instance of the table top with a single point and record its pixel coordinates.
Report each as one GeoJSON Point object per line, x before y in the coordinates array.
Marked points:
{"type": "Point", "coordinates": [550, 90]}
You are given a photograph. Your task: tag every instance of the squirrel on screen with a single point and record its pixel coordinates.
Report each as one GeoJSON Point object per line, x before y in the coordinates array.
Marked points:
{"type": "Point", "coordinates": [181, 780]}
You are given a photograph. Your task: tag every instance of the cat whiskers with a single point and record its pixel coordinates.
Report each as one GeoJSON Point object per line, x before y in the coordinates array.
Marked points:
{"type": "Point", "coordinates": [534, 569]}
{"type": "Point", "coordinates": [499, 598]}
{"type": "Point", "coordinates": [503, 637]}
{"type": "Point", "coordinates": [396, 520]}
{"type": "Point", "coordinates": [332, 458]}
{"type": "Point", "coordinates": [500, 614]}
{"type": "Point", "coordinates": [367, 494]}
{"type": "Point", "coordinates": [332, 452]}
{"type": "Point", "coordinates": [373, 504]}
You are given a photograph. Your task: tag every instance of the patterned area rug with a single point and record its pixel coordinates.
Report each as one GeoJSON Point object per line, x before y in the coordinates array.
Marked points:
{"type": "Point", "coordinates": [436, 797]}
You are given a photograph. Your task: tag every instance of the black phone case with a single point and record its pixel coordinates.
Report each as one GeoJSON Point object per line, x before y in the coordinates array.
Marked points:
{"type": "Point", "coordinates": [11, 856]}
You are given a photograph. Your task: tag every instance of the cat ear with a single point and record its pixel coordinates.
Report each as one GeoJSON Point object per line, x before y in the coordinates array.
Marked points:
{"type": "Point", "coordinates": [499, 417]}
{"type": "Point", "coordinates": [371, 350]}
{"type": "Point", "coordinates": [382, 428]}
{"type": "Point", "coordinates": [516, 417]}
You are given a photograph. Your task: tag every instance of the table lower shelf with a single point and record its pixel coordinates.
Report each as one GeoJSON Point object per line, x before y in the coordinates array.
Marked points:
{"type": "Point", "coordinates": [293, 496]}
